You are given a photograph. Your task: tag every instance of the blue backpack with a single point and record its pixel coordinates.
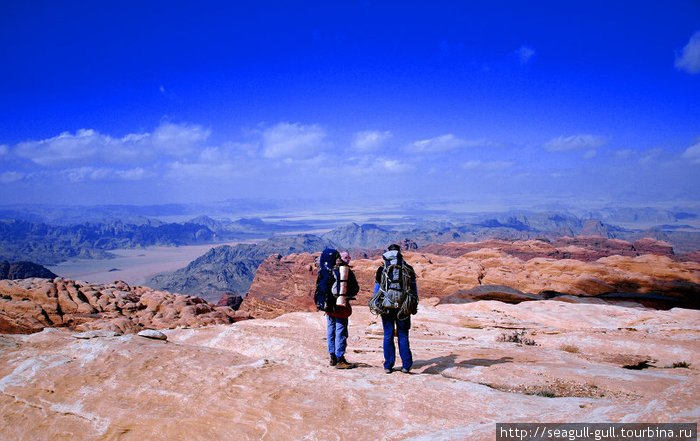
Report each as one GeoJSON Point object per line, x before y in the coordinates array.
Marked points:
{"type": "Point", "coordinates": [323, 297]}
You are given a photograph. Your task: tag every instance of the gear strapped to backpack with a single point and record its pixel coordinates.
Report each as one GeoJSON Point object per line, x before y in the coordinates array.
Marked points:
{"type": "Point", "coordinates": [396, 290]}
{"type": "Point", "coordinates": [329, 279]}
{"type": "Point", "coordinates": [351, 285]}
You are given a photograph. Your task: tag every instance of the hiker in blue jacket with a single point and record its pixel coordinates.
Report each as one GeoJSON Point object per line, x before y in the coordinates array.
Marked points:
{"type": "Point", "coordinates": [396, 315]}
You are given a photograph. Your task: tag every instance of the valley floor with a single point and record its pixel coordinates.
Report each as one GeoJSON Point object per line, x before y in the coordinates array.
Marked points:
{"type": "Point", "coordinates": [134, 265]}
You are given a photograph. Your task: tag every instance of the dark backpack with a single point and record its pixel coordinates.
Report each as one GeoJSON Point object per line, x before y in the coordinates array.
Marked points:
{"type": "Point", "coordinates": [323, 297]}
{"type": "Point", "coordinates": [395, 287]}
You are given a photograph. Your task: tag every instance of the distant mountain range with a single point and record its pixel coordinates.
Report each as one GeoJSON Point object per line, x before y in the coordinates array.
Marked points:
{"type": "Point", "coordinates": [51, 244]}
{"type": "Point", "coordinates": [230, 269]}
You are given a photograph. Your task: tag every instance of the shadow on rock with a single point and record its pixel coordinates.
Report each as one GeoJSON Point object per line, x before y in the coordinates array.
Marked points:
{"type": "Point", "coordinates": [439, 364]}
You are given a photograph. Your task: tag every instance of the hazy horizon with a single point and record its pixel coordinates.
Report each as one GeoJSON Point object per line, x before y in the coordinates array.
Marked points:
{"type": "Point", "coordinates": [491, 106]}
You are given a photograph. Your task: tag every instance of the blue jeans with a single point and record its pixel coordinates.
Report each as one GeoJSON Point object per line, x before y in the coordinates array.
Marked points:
{"type": "Point", "coordinates": [337, 335]}
{"type": "Point", "coordinates": [402, 326]}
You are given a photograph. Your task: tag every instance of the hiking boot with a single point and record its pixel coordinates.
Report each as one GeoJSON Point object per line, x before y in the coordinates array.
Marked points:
{"type": "Point", "coordinates": [405, 371]}
{"type": "Point", "coordinates": [343, 364]}
{"type": "Point", "coordinates": [334, 360]}
{"type": "Point", "coordinates": [388, 371]}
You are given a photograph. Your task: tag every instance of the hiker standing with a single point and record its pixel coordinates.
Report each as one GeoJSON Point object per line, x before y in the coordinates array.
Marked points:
{"type": "Point", "coordinates": [395, 299]}
{"type": "Point", "coordinates": [336, 285]}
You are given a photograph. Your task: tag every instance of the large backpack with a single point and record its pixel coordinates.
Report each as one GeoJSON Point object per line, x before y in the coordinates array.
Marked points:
{"type": "Point", "coordinates": [396, 291]}
{"type": "Point", "coordinates": [351, 285]}
{"type": "Point", "coordinates": [323, 297]}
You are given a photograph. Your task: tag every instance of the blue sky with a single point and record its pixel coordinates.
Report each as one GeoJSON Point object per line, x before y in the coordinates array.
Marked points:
{"type": "Point", "coordinates": [493, 103]}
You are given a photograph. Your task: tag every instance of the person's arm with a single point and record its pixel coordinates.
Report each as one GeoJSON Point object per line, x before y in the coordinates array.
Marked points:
{"type": "Point", "coordinates": [377, 279]}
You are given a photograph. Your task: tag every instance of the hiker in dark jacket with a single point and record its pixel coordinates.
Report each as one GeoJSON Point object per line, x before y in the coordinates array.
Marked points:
{"type": "Point", "coordinates": [337, 321]}
{"type": "Point", "coordinates": [397, 316]}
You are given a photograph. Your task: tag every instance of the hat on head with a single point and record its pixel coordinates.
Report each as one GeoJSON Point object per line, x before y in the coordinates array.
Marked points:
{"type": "Point", "coordinates": [345, 256]}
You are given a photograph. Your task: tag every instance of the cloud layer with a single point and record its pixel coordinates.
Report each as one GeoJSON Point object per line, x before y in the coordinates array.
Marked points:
{"type": "Point", "coordinates": [288, 159]}
{"type": "Point", "coordinates": [688, 58]}
{"type": "Point", "coordinates": [575, 142]}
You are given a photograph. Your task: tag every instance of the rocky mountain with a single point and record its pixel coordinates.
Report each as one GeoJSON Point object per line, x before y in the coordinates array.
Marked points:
{"type": "Point", "coordinates": [651, 215]}
{"type": "Point", "coordinates": [47, 244]}
{"type": "Point", "coordinates": [270, 379]}
{"type": "Point", "coordinates": [365, 236]}
{"type": "Point", "coordinates": [30, 305]}
{"type": "Point", "coordinates": [231, 268]}
{"type": "Point", "coordinates": [50, 244]}
{"type": "Point", "coordinates": [25, 238]}
{"type": "Point", "coordinates": [585, 249]}
{"type": "Point", "coordinates": [24, 270]}
{"type": "Point", "coordinates": [507, 226]}
{"type": "Point", "coordinates": [581, 270]}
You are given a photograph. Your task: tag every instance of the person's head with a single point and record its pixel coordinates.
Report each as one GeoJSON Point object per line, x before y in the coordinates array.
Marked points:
{"type": "Point", "coordinates": [394, 247]}
{"type": "Point", "coordinates": [344, 257]}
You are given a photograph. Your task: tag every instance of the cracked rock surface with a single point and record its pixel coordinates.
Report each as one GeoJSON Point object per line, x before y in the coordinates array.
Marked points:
{"type": "Point", "coordinates": [270, 379]}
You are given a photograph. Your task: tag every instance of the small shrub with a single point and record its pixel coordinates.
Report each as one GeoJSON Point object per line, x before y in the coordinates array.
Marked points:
{"type": "Point", "coordinates": [681, 364]}
{"type": "Point", "coordinates": [542, 393]}
{"type": "Point", "coordinates": [546, 394]}
{"type": "Point", "coordinates": [517, 337]}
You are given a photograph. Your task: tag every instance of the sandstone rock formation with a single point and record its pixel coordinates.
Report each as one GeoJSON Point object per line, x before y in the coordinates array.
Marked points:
{"type": "Point", "coordinates": [30, 305]}
{"type": "Point", "coordinates": [585, 249]}
{"type": "Point", "coordinates": [24, 270]}
{"type": "Point", "coordinates": [270, 379]}
{"type": "Point", "coordinates": [284, 284]}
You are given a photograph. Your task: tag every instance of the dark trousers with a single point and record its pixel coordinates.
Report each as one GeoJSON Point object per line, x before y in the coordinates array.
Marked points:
{"type": "Point", "coordinates": [389, 321]}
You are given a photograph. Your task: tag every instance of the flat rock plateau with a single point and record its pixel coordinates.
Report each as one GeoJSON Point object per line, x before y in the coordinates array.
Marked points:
{"type": "Point", "coordinates": [505, 332]}
{"type": "Point", "coordinates": [269, 379]}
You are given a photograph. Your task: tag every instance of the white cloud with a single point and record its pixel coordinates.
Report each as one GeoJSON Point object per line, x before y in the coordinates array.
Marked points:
{"type": "Point", "coordinates": [87, 146]}
{"type": "Point", "coordinates": [370, 139]}
{"type": "Point", "coordinates": [445, 143]}
{"type": "Point", "coordinates": [590, 154]}
{"type": "Point", "coordinates": [688, 58]}
{"type": "Point", "coordinates": [394, 166]}
{"type": "Point", "coordinates": [524, 54]}
{"type": "Point", "coordinates": [487, 165]}
{"type": "Point", "coordinates": [81, 174]}
{"type": "Point", "coordinates": [575, 142]}
{"type": "Point", "coordinates": [134, 174]}
{"type": "Point", "coordinates": [177, 139]}
{"type": "Point", "coordinates": [4, 148]}
{"type": "Point", "coordinates": [624, 154]}
{"type": "Point", "coordinates": [65, 147]}
{"type": "Point", "coordinates": [222, 170]}
{"type": "Point", "coordinates": [11, 176]}
{"type": "Point", "coordinates": [295, 141]}
{"type": "Point", "coordinates": [692, 153]}
{"type": "Point", "coordinates": [650, 156]}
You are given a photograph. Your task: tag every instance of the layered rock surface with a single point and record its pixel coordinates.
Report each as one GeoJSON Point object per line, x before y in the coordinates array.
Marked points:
{"type": "Point", "coordinates": [501, 270]}
{"type": "Point", "coordinates": [270, 379]}
{"type": "Point", "coordinates": [29, 305]}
